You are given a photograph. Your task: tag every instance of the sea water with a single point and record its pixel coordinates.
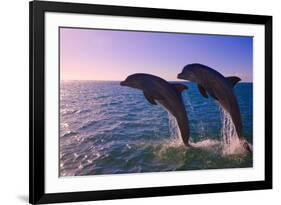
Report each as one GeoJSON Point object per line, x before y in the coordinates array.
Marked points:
{"type": "Point", "coordinates": [106, 128]}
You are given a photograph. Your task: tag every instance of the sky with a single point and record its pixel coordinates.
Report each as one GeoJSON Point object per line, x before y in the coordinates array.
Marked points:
{"type": "Point", "coordinates": [92, 54]}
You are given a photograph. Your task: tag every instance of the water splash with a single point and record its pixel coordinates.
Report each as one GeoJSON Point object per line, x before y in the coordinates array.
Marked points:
{"type": "Point", "coordinates": [231, 144]}
{"type": "Point", "coordinates": [174, 130]}
{"type": "Point", "coordinates": [199, 125]}
{"type": "Point", "coordinates": [207, 144]}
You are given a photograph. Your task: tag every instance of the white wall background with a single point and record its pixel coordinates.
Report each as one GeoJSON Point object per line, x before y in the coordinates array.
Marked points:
{"type": "Point", "coordinates": [14, 100]}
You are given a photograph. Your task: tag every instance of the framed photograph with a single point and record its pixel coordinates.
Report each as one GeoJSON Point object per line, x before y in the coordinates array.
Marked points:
{"type": "Point", "coordinates": [141, 102]}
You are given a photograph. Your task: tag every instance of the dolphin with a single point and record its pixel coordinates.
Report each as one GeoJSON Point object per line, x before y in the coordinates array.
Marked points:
{"type": "Point", "coordinates": [212, 83]}
{"type": "Point", "coordinates": [167, 94]}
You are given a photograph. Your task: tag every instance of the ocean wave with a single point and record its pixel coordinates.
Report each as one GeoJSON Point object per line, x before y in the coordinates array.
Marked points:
{"type": "Point", "coordinates": [69, 134]}
{"type": "Point", "coordinates": [83, 111]}
{"type": "Point", "coordinates": [107, 129]}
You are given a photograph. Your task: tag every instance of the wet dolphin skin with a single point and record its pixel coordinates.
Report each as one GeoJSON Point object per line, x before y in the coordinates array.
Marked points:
{"type": "Point", "coordinates": [156, 89]}
{"type": "Point", "coordinates": [212, 83]}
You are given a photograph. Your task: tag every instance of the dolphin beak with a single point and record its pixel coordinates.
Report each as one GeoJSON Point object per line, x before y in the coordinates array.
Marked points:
{"type": "Point", "coordinates": [123, 83]}
{"type": "Point", "coordinates": [180, 76]}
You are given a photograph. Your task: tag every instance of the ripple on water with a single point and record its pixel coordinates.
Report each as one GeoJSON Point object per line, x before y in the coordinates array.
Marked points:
{"type": "Point", "coordinates": [107, 129]}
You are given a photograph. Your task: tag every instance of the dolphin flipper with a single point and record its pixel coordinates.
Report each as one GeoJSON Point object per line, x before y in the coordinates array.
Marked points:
{"type": "Point", "coordinates": [149, 98]}
{"type": "Point", "coordinates": [202, 91]}
{"type": "Point", "coordinates": [211, 93]}
{"type": "Point", "coordinates": [179, 87]}
{"type": "Point", "coordinates": [233, 80]}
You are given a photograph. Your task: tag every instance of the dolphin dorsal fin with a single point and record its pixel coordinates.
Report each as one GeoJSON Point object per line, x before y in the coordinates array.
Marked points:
{"type": "Point", "coordinates": [233, 80]}
{"type": "Point", "coordinates": [179, 87]}
{"type": "Point", "coordinates": [211, 93]}
{"type": "Point", "coordinates": [149, 98]}
{"type": "Point", "coordinates": [202, 91]}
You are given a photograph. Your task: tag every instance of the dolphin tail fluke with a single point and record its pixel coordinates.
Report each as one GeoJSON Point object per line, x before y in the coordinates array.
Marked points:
{"type": "Point", "coordinates": [248, 146]}
{"type": "Point", "coordinates": [233, 80]}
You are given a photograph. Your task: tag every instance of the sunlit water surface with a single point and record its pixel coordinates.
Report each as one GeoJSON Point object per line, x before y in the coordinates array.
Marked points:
{"type": "Point", "coordinates": [106, 128]}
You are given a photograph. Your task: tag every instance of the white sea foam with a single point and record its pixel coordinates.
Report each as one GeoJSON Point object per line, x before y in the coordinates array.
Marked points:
{"type": "Point", "coordinates": [207, 143]}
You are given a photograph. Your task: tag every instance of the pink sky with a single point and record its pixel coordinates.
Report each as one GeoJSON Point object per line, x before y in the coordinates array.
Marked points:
{"type": "Point", "coordinates": [90, 54]}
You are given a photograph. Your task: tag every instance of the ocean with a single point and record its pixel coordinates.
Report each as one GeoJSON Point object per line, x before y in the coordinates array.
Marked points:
{"type": "Point", "coordinates": [106, 128]}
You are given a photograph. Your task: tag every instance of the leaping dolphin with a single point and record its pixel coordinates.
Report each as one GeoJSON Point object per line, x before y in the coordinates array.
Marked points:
{"type": "Point", "coordinates": [167, 94]}
{"type": "Point", "coordinates": [210, 82]}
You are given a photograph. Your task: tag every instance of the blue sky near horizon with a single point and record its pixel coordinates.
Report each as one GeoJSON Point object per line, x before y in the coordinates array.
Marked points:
{"type": "Point", "coordinates": [91, 54]}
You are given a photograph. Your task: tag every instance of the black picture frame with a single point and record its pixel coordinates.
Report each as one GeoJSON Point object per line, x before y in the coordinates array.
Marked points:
{"type": "Point", "coordinates": [37, 194]}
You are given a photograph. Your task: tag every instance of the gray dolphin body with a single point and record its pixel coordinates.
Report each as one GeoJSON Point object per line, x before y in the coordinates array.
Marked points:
{"type": "Point", "coordinates": [165, 93]}
{"type": "Point", "coordinates": [210, 82]}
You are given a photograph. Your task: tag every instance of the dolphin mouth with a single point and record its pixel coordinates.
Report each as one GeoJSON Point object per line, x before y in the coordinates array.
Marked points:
{"type": "Point", "coordinates": [123, 83]}
{"type": "Point", "coordinates": [180, 76]}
